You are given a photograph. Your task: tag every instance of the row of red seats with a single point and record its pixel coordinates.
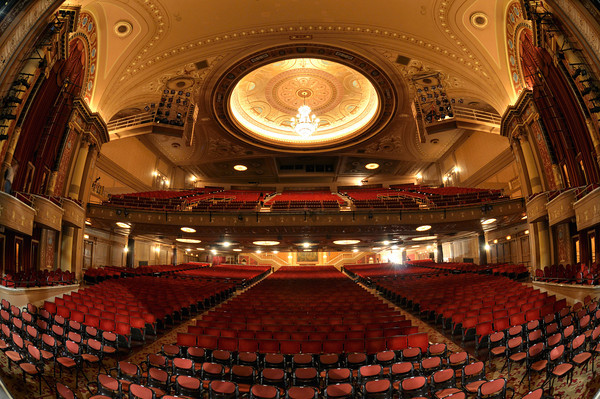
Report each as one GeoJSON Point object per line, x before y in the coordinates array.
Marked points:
{"type": "Point", "coordinates": [228, 271]}
{"type": "Point", "coordinates": [37, 278]}
{"type": "Point", "coordinates": [315, 299]}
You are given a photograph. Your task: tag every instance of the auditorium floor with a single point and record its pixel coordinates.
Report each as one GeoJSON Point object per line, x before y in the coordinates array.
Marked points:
{"type": "Point", "coordinates": [584, 384]}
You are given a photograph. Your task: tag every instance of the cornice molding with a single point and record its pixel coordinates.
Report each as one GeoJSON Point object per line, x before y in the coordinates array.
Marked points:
{"type": "Point", "coordinates": [118, 173]}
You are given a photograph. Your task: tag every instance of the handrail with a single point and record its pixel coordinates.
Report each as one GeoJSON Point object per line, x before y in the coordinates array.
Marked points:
{"type": "Point", "coordinates": [480, 116]}
{"type": "Point", "coordinates": [129, 121]}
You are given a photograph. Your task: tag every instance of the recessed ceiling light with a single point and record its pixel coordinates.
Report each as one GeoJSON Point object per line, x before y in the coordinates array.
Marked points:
{"type": "Point", "coordinates": [508, 237]}
{"type": "Point", "coordinates": [346, 242]}
{"type": "Point", "coordinates": [306, 245]}
{"type": "Point", "coordinates": [526, 231]}
{"type": "Point", "coordinates": [355, 250]}
{"type": "Point", "coordinates": [226, 244]}
{"type": "Point", "coordinates": [524, 217]}
{"type": "Point", "coordinates": [188, 229]}
{"type": "Point", "coordinates": [265, 243]}
{"type": "Point", "coordinates": [86, 236]}
{"type": "Point", "coordinates": [276, 252]}
{"type": "Point", "coordinates": [415, 246]}
{"type": "Point", "coordinates": [88, 222]}
{"type": "Point", "coordinates": [496, 241]}
{"type": "Point", "coordinates": [188, 240]}
{"type": "Point", "coordinates": [375, 249]}
{"type": "Point", "coordinates": [240, 167]}
{"type": "Point", "coordinates": [200, 249]}
{"type": "Point", "coordinates": [425, 227]}
{"type": "Point", "coordinates": [213, 251]}
{"type": "Point", "coordinates": [424, 238]}
{"type": "Point", "coordinates": [237, 250]}
{"type": "Point", "coordinates": [123, 225]}
{"type": "Point", "coordinates": [258, 251]}
{"type": "Point", "coordinates": [488, 221]}
{"type": "Point", "coordinates": [187, 250]}
{"type": "Point", "coordinates": [307, 250]}
{"type": "Point", "coordinates": [372, 165]}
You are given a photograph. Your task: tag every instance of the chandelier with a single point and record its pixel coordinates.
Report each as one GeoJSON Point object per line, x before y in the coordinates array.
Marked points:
{"type": "Point", "coordinates": [305, 124]}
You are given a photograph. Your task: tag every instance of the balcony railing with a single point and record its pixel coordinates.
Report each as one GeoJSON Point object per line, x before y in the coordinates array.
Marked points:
{"type": "Point", "coordinates": [476, 115]}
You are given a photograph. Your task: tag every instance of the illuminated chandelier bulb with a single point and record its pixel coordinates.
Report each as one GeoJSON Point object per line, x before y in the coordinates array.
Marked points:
{"type": "Point", "coordinates": [306, 124]}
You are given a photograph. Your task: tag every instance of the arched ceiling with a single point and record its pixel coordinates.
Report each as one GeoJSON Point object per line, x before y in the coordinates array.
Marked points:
{"type": "Point", "coordinates": [462, 40]}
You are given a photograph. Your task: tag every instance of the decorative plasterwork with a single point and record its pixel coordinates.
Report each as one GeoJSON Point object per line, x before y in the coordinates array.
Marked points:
{"type": "Point", "coordinates": [86, 27]}
{"type": "Point", "coordinates": [515, 23]}
{"type": "Point", "coordinates": [465, 58]}
{"type": "Point", "coordinates": [264, 101]}
{"type": "Point", "coordinates": [379, 80]}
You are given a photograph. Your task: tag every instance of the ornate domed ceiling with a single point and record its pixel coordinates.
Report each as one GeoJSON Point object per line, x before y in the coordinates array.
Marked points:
{"type": "Point", "coordinates": [264, 101]}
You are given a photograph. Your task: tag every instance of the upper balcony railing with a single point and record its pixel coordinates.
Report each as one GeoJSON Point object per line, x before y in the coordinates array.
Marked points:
{"type": "Point", "coordinates": [476, 115]}
{"type": "Point", "coordinates": [131, 121]}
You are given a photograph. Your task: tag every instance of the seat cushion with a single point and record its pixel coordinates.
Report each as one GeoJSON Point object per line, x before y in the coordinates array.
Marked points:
{"type": "Point", "coordinates": [224, 387]}
{"type": "Point", "coordinates": [301, 393]}
{"type": "Point", "coordinates": [29, 368]}
{"type": "Point", "coordinates": [65, 361]}
{"type": "Point", "coordinates": [562, 369]}
{"type": "Point", "coordinates": [339, 390]}
{"type": "Point", "coordinates": [377, 386]}
{"type": "Point", "coordinates": [473, 386]}
{"type": "Point", "coordinates": [190, 383]}
{"type": "Point", "coordinates": [264, 391]}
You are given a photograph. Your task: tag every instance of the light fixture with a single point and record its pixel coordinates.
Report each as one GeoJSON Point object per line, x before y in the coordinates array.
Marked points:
{"type": "Point", "coordinates": [154, 173]}
{"type": "Point", "coordinates": [258, 251]}
{"type": "Point", "coordinates": [290, 256]}
{"type": "Point", "coordinates": [346, 242]}
{"type": "Point", "coordinates": [496, 241]}
{"type": "Point", "coordinates": [372, 166]}
{"type": "Point", "coordinates": [126, 249]}
{"type": "Point", "coordinates": [307, 250]}
{"type": "Point", "coordinates": [355, 250]}
{"type": "Point", "coordinates": [424, 238]}
{"type": "Point", "coordinates": [375, 249]}
{"type": "Point", "coordinates": [187, 250]}
{"type": "Point", "coordinates": [193, 178]}
{"type": "Point", "coordinates": [157, 249]}
{"type": "Point", "coordinates": [213, 251]}
{"type": "Point", "coordinates": [386, 242]}
{"type": "Point", "coordinates": [524, 217]}
{"type": "Point", "coordinates": [237, 250]}
{"type": "Point", "coordinates": [306, 245]}
{"type": "Point", "coordinates": [324, 255]}
{"type": "Point", "coordinates": [394, 247]}
{"type": "Point", "coordinates": [167, 182]}
{"type": "Point", "coordinates": [306, 123]}
{"type": "Point", "coordinates": [488, 221]}
{"type": "Point", "coordinates": [425, 227]}
{"type": "Point", "coordinates": [526, 231]}
{"type": "Point", "coordinates": [419, 176]}
{"type": "Point", "coordinates": [265, 243]}
{"type": "Point", "coordinates": [240, 168]}
{"type": "Point", "coordinates": [226, 244]}
{"type": "Point", "coordinates": [415, 246]}
{"type": "Point", "coordinates": [188, 230]}
{"type": "Point", "coordinates": [188, 240]}
{"type": "Point", "coordinates": [508, 238]}
{"type": "Point", "coordinates": [276, 252]}
{"type": "Point", "coordinates": [88, 222]}
{"type": "Point", "coordinates": [86, 236]}
{"type": "Point", "coordinates": [123, 225]}
{"type": "Point", "coordinates": [200, 249]}
{"type": "Point", "coordinates": [486, 247]}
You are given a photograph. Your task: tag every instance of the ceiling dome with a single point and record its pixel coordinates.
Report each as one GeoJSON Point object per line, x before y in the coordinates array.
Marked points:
{"type": "Point", "coordinates": [264, 101]}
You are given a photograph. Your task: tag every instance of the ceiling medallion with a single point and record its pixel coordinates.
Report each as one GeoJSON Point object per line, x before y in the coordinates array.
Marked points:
{"type": "Point", "coordinates": [340, 99]}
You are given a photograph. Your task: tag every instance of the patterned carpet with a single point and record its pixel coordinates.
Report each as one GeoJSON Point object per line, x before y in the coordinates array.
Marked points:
{"type": "Point", "coordinates": [583, 386]}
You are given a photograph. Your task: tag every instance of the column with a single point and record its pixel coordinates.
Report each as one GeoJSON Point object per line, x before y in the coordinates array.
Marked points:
{"type": "Point", "coordinates": [440, 253]}
{"type": "Point", "coordinates": [543, 232]}
{"type": "Point", "coordinates": [10, 152]}
{"type": "Point", "coordinates": [86, 180]}
{"type": "Point", "coordinates": [584, 249]}
{"type": "Point", "coordinates": [532, 170]}
{"type": "Point", "coordinates": [129, 260]}
{"type": "Point", "coordinates": [174, 255]}
{"type": "Point", "coordinates": [482, 252]}
{"type": "Point", "coordinates": [66, 248]}
{"type": "Point", "coordinates": [77, 176]}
